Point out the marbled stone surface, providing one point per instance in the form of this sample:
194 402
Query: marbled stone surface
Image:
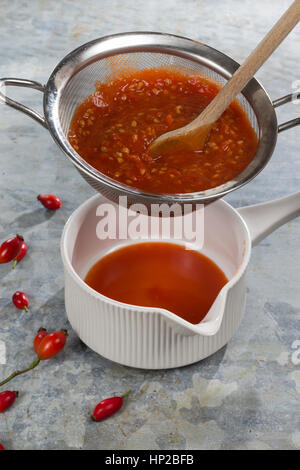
246 396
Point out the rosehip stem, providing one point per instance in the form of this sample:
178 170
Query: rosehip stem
19 372
126 394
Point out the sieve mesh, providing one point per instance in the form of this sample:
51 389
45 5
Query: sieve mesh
74 78
82 84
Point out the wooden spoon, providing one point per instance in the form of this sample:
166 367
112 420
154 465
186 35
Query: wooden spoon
194 135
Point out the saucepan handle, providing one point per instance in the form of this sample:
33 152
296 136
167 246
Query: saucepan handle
14 104
263 218
293 97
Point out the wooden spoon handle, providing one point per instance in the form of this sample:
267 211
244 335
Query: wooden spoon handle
255 60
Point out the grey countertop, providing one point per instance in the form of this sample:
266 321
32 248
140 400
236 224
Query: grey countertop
246 396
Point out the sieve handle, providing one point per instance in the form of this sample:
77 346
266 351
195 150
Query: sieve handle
21 107
287 99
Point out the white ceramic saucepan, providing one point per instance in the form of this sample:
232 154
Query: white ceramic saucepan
154 338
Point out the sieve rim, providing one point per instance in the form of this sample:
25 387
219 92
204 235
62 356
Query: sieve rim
144 41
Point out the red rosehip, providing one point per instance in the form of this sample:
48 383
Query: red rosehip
1 447
20 300
108 407
38 338
7 399
10 249
50 201
52 344
21 254
46 346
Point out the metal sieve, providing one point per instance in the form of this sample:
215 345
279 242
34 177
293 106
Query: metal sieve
74 79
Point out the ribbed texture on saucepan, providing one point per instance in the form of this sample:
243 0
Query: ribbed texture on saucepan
144 339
